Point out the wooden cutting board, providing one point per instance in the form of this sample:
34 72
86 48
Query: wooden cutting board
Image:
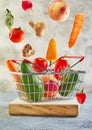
64 108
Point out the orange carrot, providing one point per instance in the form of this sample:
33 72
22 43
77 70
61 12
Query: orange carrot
12 68
78 24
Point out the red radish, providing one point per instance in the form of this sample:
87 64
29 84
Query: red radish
26 5
51 88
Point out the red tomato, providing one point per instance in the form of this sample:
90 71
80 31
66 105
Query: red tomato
16 35
81 96
40 64
59 65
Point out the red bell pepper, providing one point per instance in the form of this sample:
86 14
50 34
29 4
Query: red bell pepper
60 64
81 96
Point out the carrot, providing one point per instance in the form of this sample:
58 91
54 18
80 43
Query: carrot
78 24
12 68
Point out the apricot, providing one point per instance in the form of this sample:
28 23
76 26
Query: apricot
45 78
59 11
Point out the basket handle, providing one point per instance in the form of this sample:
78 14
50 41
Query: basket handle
75 57
27 61
81 58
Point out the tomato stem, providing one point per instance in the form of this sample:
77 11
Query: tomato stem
82 91
19 28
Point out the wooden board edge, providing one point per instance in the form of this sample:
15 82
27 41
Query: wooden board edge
44 110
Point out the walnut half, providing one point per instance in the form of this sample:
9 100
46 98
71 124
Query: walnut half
27 51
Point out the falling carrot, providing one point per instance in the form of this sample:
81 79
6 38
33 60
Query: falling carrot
12 68
78 24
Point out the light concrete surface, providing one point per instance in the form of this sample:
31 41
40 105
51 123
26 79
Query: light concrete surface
82 122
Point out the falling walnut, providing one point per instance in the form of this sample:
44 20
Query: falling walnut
39 28
27 51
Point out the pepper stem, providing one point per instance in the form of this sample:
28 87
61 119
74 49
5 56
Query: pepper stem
50 63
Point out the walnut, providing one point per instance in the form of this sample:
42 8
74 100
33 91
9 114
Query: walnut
27 51
39 28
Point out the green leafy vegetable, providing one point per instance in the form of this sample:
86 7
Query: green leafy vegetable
9 20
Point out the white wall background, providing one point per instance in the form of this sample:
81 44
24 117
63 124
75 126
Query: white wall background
59 31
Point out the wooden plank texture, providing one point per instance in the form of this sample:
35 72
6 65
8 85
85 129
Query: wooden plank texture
69 108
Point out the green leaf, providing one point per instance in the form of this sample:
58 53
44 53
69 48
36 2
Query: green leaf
9 20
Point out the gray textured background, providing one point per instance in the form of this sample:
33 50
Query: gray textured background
60 31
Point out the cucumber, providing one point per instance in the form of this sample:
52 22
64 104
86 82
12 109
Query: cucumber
69 83
32 84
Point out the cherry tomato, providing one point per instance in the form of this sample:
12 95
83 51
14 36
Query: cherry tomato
40 64
16 35
81 96
59 65
26 5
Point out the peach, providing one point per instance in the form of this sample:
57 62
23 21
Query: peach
59 10
45 78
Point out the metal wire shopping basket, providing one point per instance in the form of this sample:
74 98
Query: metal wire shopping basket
45 87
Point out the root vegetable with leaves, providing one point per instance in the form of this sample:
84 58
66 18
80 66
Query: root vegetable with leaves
16 35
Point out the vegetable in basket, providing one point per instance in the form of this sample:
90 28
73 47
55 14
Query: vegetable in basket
32 84
60 64
51 88
39 64
12 68
68 83
51 85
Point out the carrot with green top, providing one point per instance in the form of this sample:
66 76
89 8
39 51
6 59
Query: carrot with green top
12 68
78 24
51 54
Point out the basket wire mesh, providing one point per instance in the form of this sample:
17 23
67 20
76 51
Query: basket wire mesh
47 87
